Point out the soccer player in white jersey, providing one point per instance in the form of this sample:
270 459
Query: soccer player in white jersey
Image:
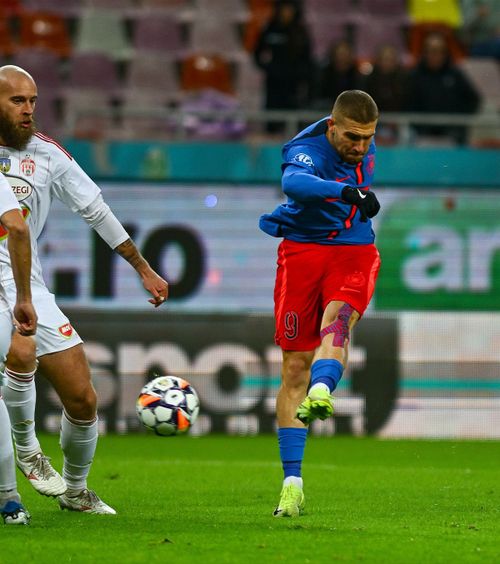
39 170
14 227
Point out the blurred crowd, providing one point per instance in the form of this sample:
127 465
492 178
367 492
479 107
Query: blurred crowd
124 67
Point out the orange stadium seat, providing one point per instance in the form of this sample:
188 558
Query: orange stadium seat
44 30
206 71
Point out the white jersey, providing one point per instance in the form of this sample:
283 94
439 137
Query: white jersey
37 174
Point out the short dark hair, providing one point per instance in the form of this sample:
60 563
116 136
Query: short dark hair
356 105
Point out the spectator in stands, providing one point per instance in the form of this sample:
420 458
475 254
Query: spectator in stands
436 85
481 30
339 73
388 81
388 85
283 52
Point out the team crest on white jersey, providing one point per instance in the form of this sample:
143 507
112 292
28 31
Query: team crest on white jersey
304 159
28 166
5 164
21 187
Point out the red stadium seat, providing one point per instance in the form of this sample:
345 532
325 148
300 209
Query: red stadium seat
46 31
206 71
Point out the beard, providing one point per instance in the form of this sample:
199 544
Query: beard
13 135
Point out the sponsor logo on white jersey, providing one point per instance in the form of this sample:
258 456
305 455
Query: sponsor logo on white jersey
21 187
66 330
304 159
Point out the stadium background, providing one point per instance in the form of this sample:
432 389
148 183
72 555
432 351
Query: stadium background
425 360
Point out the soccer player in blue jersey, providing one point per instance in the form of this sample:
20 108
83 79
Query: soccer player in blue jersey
327 268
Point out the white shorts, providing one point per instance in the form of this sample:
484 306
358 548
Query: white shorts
54 331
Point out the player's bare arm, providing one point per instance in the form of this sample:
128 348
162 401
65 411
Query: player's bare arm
152 282
19 246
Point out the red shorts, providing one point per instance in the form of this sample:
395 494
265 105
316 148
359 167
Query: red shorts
309 277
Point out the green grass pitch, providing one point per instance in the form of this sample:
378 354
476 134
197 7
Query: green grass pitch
210 499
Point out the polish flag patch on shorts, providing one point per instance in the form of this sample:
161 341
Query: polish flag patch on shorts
66 330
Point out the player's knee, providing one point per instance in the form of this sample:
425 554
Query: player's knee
81 405
340 328
22 355
296 372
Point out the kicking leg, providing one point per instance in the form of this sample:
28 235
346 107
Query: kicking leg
20 397
69 373
292 433
329 361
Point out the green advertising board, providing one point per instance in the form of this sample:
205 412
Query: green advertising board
440 250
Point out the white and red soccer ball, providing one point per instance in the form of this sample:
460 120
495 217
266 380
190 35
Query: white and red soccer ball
168 405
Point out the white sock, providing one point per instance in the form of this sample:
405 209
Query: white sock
20 398
295 480
78 442
318 386
7 465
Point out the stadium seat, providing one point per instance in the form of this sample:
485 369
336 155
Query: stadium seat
371 33
330 9
395 9
88 115
150 73
233 10
110 4
446 12
163 5
7 46
143 116
66 8
10 8
158 33
93 72
44 67
202 71
216 36
249 85
103 31
484 73
45 30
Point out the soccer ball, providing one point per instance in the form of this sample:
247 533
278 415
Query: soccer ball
168 405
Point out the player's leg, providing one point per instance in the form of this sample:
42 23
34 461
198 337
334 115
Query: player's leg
297 307
329 361
292 433
11 508
347 292
20 398
68 372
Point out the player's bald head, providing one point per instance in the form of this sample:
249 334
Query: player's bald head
11 74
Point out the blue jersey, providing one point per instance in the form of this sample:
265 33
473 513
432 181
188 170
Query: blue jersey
313 178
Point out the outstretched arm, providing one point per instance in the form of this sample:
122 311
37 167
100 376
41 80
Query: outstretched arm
19 245
99 216
152 282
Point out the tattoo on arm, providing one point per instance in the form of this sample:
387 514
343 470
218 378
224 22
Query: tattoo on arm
131 253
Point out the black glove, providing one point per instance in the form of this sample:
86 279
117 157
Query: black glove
364 200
